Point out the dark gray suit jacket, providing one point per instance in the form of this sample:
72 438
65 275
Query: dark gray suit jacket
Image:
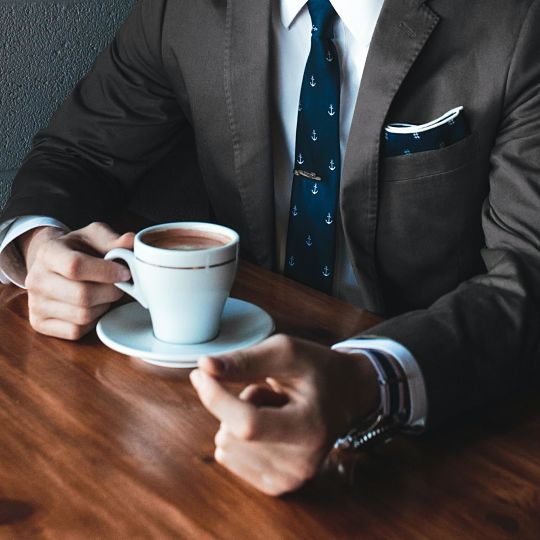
445 243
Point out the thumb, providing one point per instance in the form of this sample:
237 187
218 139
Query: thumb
124 241
275 357
102 238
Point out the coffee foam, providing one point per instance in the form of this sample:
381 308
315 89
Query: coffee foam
185 239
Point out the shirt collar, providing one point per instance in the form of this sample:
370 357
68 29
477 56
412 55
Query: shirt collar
289 10
359 17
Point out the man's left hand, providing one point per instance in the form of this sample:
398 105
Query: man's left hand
300 397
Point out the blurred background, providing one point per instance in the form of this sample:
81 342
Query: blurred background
46 46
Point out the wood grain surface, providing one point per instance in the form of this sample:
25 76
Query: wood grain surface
94 444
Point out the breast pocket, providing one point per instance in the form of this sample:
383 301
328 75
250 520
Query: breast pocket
429 231
432 162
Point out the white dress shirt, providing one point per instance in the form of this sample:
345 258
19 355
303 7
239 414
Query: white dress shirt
291 25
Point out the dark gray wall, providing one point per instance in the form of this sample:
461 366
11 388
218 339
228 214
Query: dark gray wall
45 47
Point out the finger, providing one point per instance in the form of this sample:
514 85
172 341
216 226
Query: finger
61 258
255 468
242 468
277 356
124 241
295 463
261 395
50 286
61 329
103 238
220 403
52 309
242 418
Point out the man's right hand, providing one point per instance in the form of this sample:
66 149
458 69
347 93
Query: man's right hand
69 284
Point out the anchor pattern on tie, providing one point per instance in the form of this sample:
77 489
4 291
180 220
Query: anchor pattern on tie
311 236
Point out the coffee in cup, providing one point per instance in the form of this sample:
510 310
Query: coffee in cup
182 273
184 239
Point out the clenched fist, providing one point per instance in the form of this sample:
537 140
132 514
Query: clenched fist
299 397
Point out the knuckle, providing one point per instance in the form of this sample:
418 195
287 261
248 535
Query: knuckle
72 332
276 487
45 257
250 428
219 456
35 321
220 440
238 365
96 230
35 280
272 491
73 266
33 306
83 296
31 280
83 316
286 343
95 226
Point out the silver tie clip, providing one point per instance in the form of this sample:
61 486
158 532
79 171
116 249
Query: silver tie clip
306 174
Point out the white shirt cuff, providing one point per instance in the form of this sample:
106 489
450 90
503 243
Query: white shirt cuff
12 266
415 379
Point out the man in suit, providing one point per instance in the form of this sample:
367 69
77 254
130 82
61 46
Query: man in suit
444 243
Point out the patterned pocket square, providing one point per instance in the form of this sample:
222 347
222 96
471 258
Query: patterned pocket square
403 139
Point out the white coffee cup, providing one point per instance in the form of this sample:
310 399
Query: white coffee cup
182 273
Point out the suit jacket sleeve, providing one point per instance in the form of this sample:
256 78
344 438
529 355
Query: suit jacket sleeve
119 120
482 340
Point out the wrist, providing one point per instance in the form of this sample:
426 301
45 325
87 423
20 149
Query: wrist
365 396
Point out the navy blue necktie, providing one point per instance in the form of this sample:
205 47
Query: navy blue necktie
311 236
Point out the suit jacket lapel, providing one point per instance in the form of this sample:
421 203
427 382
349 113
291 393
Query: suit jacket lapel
403 28
247 89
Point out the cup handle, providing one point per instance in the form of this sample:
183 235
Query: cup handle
133 289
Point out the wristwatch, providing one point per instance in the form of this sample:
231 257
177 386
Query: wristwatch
393 411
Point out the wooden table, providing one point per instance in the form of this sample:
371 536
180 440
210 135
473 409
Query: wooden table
94 444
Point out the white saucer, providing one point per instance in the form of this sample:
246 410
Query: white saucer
128 330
